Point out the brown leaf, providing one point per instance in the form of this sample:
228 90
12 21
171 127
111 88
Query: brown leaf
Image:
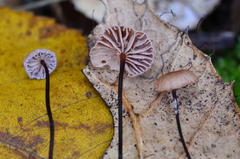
208 112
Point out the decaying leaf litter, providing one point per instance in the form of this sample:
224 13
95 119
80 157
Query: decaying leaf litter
208 112
83 124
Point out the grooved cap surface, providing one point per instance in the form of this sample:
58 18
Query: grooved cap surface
32 63
120 39
175 80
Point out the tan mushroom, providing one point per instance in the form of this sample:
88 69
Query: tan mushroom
116 40
175 80
123 49
171 82
39 64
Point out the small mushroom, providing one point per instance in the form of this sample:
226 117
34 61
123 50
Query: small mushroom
32 63
123 43
39 64
125 50
171 82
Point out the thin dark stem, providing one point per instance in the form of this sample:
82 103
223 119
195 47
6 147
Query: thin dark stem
198 24
213 47
178 124
49 111
120 82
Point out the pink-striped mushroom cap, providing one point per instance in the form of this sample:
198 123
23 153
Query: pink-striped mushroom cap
120 39
175 80
32 63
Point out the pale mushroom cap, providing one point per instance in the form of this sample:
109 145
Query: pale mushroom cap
175 80
32 63
120 39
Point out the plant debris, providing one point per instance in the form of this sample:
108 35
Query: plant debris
208 111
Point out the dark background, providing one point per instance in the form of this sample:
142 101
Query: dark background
217 33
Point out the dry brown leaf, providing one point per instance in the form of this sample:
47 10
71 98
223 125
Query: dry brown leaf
208 112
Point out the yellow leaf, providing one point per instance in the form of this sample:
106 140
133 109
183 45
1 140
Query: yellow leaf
83 124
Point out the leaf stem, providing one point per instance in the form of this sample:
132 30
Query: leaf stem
120 82
178 123
49 111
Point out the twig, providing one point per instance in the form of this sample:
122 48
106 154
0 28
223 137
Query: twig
37 4
173 14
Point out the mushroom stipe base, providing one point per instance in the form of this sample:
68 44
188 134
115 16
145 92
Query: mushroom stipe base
49 111
178 123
